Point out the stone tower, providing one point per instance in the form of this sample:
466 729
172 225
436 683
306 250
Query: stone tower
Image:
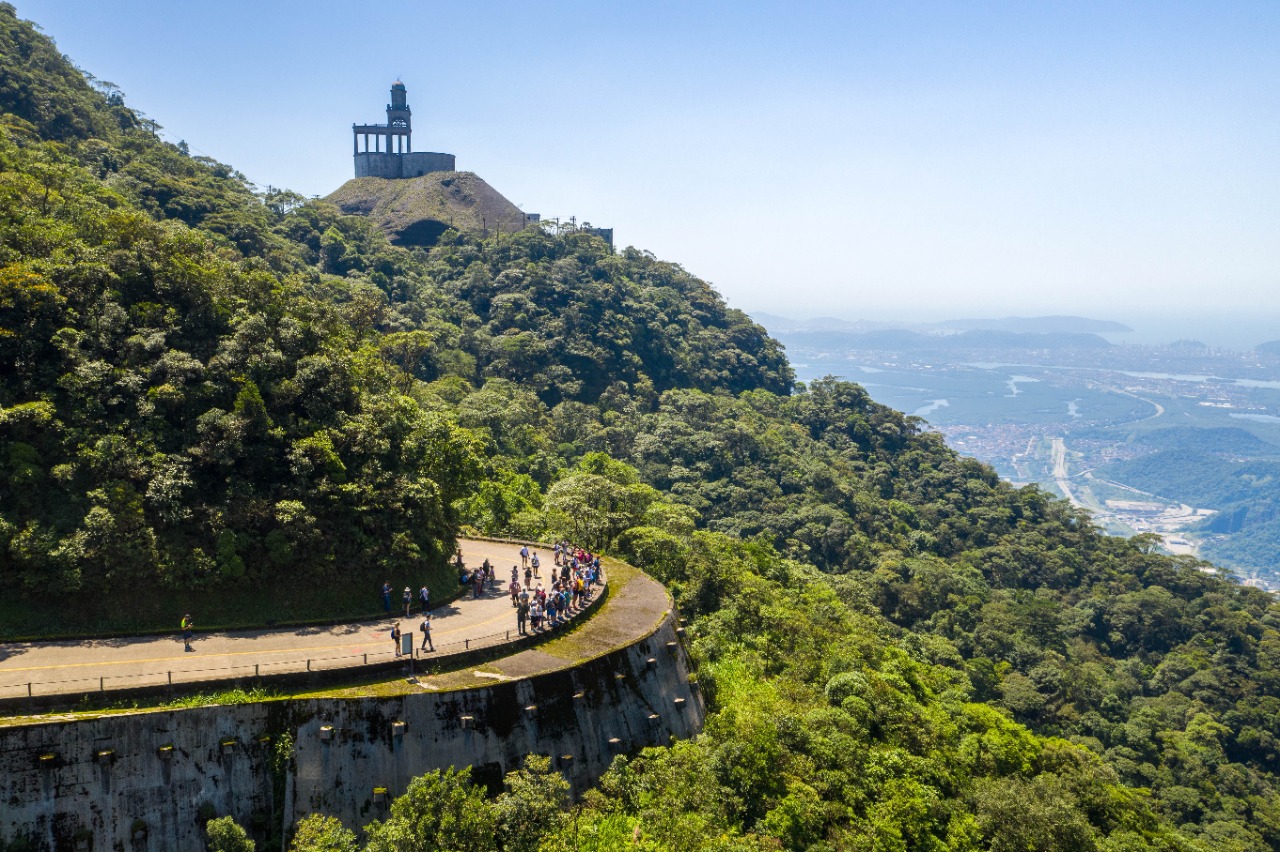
388 148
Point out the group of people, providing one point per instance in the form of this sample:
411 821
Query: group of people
573 582
424 628
407 597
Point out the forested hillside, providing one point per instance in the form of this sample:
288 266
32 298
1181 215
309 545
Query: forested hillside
207 386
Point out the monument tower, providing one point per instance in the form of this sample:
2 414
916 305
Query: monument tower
388 148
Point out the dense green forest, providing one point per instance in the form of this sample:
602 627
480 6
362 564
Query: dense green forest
206 386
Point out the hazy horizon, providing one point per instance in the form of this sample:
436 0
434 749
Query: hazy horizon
1236 331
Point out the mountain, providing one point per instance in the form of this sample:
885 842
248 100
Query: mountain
1271 347
416 211
905 340
254 403
1051 325
1037 325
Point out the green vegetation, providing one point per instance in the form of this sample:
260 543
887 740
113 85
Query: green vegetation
226 836
207 388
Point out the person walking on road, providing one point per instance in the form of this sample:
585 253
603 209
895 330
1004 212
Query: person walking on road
425 597
395 636
425 627
407 597
533 560
188 629
524 555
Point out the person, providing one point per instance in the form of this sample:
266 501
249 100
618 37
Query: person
533 560
425 627
395 637
514 591
524 555
477 583
528 576
386 596
425 597
515 575
408 600
522 616
188 629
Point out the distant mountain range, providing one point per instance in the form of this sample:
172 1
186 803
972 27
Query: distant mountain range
1014 325
905 340
1271 347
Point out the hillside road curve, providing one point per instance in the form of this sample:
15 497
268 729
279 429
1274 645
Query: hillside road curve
64 667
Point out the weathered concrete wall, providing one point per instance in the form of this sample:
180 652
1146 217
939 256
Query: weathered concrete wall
139 797
383 165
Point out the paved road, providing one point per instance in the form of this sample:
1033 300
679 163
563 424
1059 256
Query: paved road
1060 471
80 666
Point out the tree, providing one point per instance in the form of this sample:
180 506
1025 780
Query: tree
532 807
226 835
440 812
320 833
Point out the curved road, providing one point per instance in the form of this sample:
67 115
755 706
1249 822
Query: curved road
87 665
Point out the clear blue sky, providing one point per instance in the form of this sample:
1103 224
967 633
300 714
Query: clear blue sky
851 159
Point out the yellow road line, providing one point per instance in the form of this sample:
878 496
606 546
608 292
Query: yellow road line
260 652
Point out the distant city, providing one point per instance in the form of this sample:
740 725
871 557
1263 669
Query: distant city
1181 439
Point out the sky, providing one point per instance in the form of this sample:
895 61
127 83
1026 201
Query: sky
886 160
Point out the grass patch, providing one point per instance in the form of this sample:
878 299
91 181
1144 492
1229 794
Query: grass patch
254 695
93 707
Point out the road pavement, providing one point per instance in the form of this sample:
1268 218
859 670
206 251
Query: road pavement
46 668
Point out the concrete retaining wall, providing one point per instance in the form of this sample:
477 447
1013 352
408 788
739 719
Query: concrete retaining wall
146 781
384 165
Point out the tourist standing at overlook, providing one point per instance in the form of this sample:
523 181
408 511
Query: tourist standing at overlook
425 627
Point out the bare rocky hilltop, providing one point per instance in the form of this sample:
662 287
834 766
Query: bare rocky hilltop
416 211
